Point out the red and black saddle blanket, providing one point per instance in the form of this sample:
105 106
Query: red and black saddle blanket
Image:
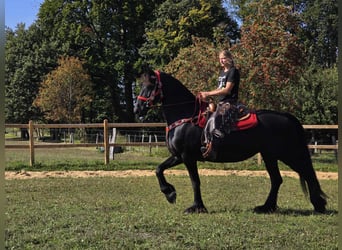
249 121
243 117
236 117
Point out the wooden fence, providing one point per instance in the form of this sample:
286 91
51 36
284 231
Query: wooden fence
106 144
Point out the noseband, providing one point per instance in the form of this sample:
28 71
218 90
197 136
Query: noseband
157 91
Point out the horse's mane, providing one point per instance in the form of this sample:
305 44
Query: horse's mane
176 88
178 101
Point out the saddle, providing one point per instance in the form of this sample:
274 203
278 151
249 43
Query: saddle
237 112
230 117
225 119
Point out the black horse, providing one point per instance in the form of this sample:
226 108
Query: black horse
277 136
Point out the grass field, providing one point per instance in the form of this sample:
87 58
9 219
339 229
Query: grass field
131 213
131 158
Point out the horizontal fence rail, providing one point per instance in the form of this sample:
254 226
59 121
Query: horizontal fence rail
334 147
105 126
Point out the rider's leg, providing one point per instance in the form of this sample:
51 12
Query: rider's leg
208 150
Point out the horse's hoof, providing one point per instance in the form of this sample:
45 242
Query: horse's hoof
171 197
320 210
265 209
196 209
319 205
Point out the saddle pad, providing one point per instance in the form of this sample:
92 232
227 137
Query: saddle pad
250 122
202 120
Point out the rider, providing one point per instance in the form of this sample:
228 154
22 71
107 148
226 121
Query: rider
227 92
228 81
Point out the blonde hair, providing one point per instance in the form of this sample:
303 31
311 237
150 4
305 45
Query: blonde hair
227 54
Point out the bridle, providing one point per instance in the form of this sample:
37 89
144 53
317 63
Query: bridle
157 91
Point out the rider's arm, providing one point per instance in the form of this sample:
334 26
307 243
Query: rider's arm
221 91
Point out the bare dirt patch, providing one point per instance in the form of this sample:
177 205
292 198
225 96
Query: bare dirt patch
136 173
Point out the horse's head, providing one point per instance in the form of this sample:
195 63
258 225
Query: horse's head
150 94
177 102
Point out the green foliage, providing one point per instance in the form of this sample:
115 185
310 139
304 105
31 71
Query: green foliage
131 213
319 23
65 92
106 34
176 22
26 62
200 73
178 36
320 35
269 56
317 94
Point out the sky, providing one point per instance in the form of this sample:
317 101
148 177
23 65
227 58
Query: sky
21 11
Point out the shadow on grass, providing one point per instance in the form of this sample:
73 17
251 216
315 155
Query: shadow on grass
289 211
298 212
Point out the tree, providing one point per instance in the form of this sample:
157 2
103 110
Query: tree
270 56
107 35
319 32
66 92
318 22
317 95
176 22
200 74
27 60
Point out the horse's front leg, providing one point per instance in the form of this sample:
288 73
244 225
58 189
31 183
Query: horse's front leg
165 187
198 206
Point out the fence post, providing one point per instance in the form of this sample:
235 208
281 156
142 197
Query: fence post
259 159
156 140
150 141
106 141
111 148
31 142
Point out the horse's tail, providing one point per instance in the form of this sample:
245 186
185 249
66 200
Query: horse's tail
319 198
304 186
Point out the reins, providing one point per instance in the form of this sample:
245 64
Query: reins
195 117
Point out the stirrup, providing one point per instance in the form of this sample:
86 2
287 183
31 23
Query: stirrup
207 150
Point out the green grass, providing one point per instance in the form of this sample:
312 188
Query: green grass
131 213
132 158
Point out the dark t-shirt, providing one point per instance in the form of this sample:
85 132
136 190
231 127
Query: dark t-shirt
232 75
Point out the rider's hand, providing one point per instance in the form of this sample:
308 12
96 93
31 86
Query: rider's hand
203 95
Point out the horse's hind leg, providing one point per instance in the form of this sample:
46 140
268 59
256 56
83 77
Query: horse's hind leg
276 180
307 174
168 190
317 197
